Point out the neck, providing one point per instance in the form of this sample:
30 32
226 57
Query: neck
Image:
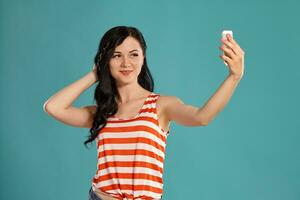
130 92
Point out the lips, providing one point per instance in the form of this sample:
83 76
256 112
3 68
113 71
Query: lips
126 72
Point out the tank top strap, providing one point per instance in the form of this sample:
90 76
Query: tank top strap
150 103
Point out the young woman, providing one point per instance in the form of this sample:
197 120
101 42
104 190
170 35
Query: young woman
130 122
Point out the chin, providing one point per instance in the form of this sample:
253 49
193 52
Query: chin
128 81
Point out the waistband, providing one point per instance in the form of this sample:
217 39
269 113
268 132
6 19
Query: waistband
105 196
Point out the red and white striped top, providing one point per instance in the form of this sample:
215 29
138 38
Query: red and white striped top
131 155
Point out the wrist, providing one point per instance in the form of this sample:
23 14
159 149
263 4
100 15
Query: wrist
93 76
235 77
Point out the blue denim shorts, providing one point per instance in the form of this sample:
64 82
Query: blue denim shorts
93 196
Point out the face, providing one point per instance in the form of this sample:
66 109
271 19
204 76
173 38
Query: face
127 61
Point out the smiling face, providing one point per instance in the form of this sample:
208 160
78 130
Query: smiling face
126 62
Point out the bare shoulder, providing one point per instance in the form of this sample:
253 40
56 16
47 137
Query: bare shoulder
163 103
166 101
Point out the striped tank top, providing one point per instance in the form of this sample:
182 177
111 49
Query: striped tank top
131 155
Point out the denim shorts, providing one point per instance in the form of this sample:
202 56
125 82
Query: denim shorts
93 196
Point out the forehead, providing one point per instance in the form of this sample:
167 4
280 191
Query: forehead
129 44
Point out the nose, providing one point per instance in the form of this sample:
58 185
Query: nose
126 62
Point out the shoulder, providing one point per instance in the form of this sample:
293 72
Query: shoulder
167 102
167 99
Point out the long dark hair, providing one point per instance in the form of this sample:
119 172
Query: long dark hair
106 91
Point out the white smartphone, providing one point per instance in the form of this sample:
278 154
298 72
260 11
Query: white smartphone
224 33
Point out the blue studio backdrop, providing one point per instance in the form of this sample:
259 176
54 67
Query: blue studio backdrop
249 151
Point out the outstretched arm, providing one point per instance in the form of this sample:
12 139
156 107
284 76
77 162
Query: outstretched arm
191 116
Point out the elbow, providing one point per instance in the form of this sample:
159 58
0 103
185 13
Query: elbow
202 118
51 108
203 122
46 107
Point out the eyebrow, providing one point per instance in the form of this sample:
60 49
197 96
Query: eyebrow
129 51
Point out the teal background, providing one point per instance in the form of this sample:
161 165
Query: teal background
249 151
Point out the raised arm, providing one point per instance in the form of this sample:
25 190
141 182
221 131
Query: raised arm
189 115
59 106
192 116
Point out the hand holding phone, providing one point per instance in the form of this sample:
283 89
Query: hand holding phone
224 33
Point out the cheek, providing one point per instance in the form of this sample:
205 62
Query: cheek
113 63
113 70
140 63
138 70
139 67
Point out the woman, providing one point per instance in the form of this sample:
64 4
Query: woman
130 122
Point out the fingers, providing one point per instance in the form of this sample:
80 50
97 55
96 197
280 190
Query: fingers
230 42
227 51
234 43
225 58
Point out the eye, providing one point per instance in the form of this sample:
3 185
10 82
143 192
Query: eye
115 55
135 54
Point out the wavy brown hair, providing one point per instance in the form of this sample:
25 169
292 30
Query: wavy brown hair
106 91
